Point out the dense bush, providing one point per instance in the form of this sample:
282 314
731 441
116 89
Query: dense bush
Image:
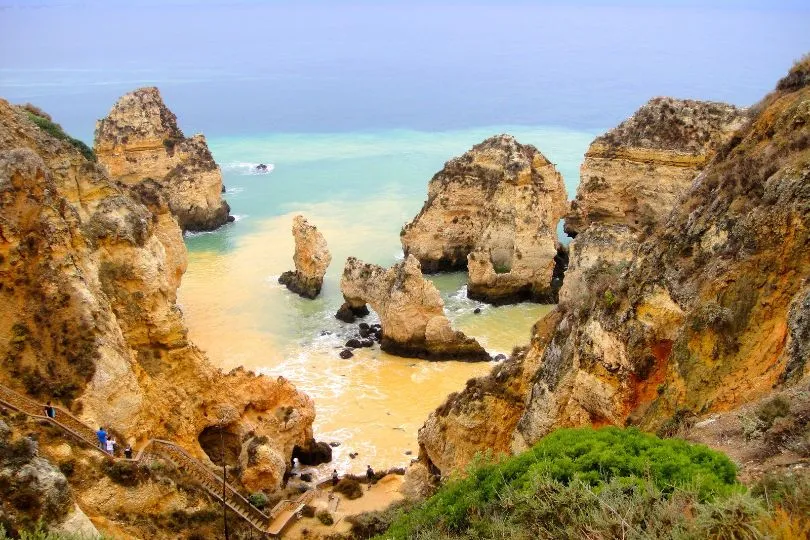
258 499
55 130
349 487
576 466
125 473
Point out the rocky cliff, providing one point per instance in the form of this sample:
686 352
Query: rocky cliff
706 313
634 174
311 260
493 210
410 308
140 140
88 276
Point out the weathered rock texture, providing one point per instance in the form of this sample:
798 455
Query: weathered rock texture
494 210
33 491
705 314
633 174
311 260
410 308
140 139
88 278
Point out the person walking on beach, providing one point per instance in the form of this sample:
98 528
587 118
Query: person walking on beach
369 475
102 438
50 412
335 477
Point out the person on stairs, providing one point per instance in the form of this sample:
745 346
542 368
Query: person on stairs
110 446
102 438
128 452
50 412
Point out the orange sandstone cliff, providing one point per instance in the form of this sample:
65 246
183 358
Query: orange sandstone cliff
705 312
89 270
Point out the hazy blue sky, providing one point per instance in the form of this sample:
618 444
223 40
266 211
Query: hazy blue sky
250 66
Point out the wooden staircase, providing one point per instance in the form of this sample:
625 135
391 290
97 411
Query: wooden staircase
271 524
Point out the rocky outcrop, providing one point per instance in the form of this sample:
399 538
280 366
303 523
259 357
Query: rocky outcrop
410 308
89 271
34 491
140 140
311 260
493 210
482 417
633 174
704 314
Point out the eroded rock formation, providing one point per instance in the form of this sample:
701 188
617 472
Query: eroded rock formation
140 140
633 174
311 260
410 308
706 313
493 210
88 276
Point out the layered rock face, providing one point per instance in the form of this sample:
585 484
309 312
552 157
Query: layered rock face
140 139
88 278
494 210
633 174
707 313
311 260
410 308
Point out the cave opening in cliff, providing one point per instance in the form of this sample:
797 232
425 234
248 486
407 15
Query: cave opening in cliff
212 440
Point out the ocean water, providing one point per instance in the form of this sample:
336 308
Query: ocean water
355 105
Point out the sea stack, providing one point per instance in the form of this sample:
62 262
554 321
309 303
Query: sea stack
140 140
311 260
494 210
411 311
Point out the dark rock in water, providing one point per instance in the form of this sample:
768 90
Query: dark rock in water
326 333
261 167
348 314
306 477
408 452
364 326
367 343
354 343
365 332
376 326
230 219
499 357
314 454
334 444
223 188
477 310
301 285
353 455
346 353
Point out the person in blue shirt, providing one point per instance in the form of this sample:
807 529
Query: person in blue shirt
102 438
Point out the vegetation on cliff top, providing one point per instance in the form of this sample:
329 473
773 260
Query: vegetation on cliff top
53 129
606 483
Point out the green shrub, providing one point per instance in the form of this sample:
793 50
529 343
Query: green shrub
349 487
773 409
593 458
609 298
125 473
258 499
55 130
325 517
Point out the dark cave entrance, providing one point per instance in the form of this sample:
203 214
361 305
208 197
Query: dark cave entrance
212 440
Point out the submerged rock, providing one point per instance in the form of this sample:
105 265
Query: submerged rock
493 210
311 260
140 140
410 309
349 313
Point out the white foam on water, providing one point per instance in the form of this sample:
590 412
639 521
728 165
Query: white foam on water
234 190
244 167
